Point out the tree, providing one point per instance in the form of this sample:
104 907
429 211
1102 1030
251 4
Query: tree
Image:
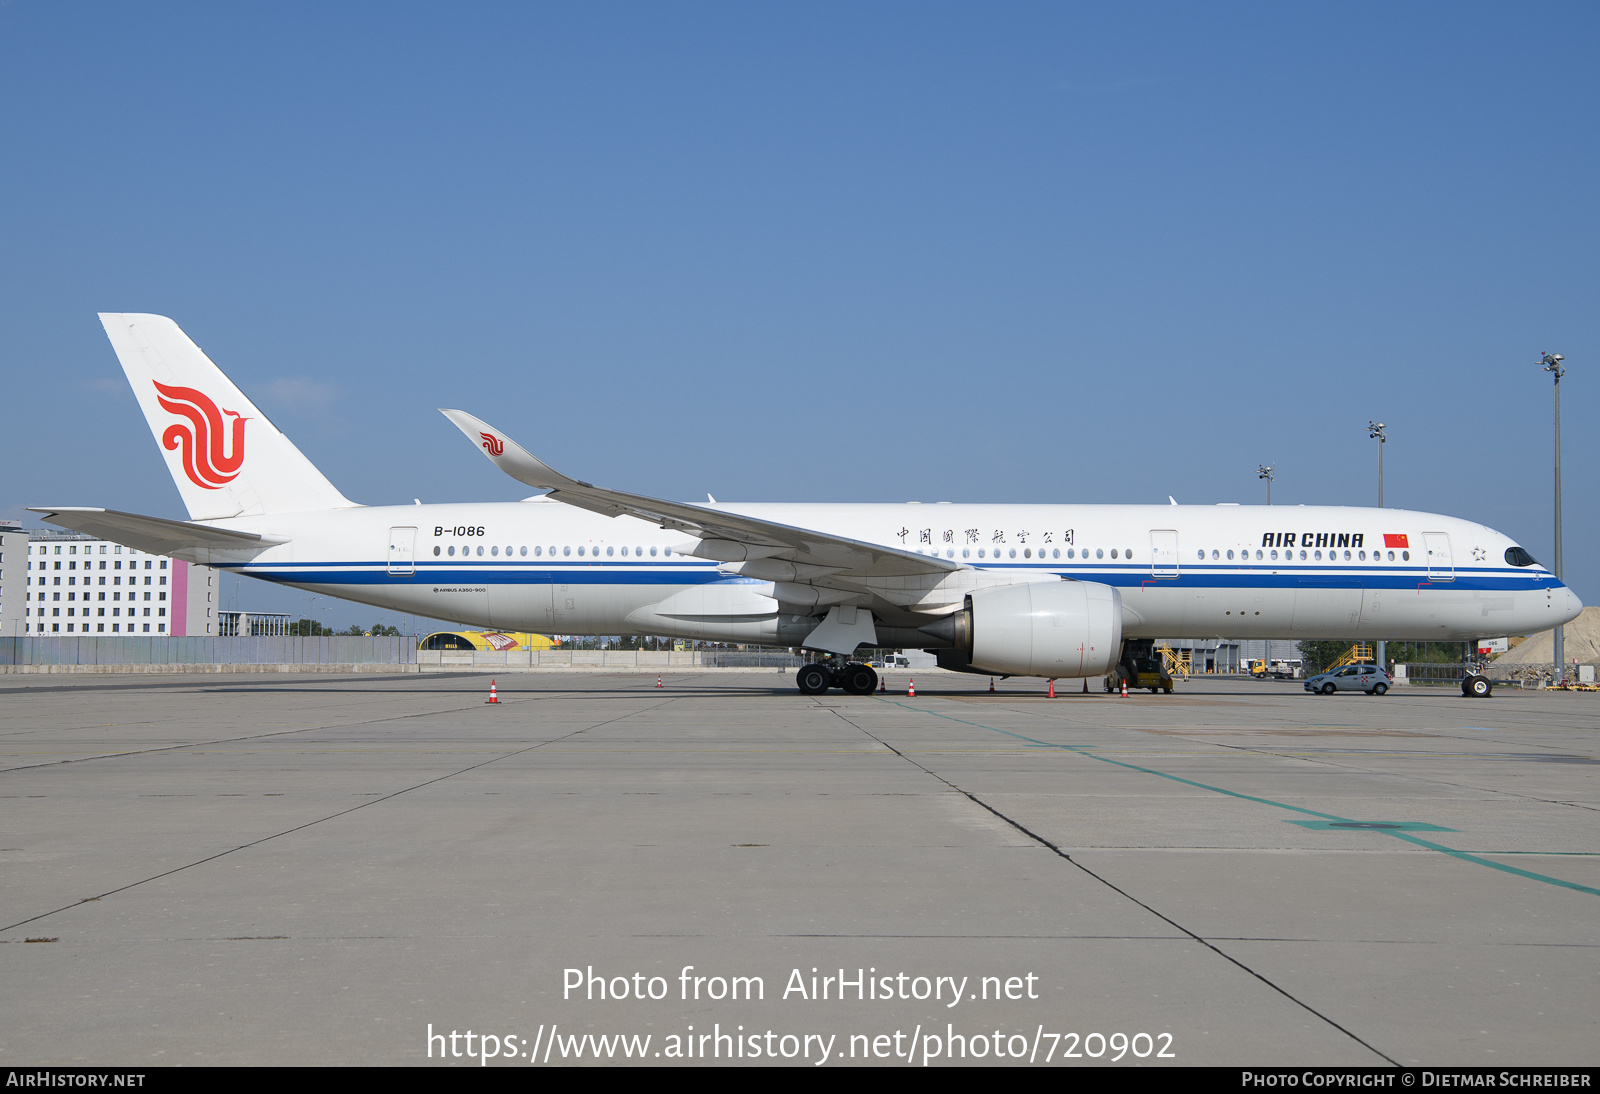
308 628
1319 655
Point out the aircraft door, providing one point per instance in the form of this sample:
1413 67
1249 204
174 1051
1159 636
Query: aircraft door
1163 553
402 552
1441 567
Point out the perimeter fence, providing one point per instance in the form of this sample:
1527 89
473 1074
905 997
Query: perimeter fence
1528 676
619 659
279 649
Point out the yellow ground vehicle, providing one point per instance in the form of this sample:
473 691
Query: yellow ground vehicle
496 641
1141 672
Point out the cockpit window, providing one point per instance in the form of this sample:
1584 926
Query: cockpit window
1516 556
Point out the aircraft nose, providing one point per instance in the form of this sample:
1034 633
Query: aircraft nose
1574 605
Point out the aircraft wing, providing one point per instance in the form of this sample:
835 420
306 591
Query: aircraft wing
158 535
725 537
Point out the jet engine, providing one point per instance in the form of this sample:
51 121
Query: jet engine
1057 629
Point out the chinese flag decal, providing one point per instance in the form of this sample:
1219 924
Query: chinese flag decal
1395 541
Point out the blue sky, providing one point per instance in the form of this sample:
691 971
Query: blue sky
1021 252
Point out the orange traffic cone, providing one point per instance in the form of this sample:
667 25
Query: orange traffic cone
658 679
1124 687
883 686
493 698
991 683
1052 694
911 692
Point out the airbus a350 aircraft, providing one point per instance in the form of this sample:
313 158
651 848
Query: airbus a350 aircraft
1030 590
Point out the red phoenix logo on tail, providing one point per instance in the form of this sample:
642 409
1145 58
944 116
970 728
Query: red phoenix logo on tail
492 444
200 442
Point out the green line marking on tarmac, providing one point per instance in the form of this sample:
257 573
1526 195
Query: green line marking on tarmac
1377 826
1396 833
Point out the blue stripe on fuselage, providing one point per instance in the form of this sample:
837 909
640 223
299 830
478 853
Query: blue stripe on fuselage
676 573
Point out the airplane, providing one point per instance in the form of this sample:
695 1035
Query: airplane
1057 591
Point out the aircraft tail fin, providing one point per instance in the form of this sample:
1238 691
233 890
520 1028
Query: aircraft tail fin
226 457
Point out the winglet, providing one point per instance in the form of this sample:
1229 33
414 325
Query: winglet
508 455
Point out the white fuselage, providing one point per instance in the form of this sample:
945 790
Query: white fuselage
1182 570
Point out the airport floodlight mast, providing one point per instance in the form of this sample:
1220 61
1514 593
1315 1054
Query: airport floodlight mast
1375 430
1264 471
1552 364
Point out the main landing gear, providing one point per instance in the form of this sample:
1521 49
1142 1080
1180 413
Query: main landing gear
851 677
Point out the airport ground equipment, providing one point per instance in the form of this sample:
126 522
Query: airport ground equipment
1177 662
1357 653
1139 667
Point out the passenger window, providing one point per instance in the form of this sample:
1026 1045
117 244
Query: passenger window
1113 552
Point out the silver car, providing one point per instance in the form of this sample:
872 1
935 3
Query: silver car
1368 678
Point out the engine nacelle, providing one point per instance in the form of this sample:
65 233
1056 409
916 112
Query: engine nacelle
1058 629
